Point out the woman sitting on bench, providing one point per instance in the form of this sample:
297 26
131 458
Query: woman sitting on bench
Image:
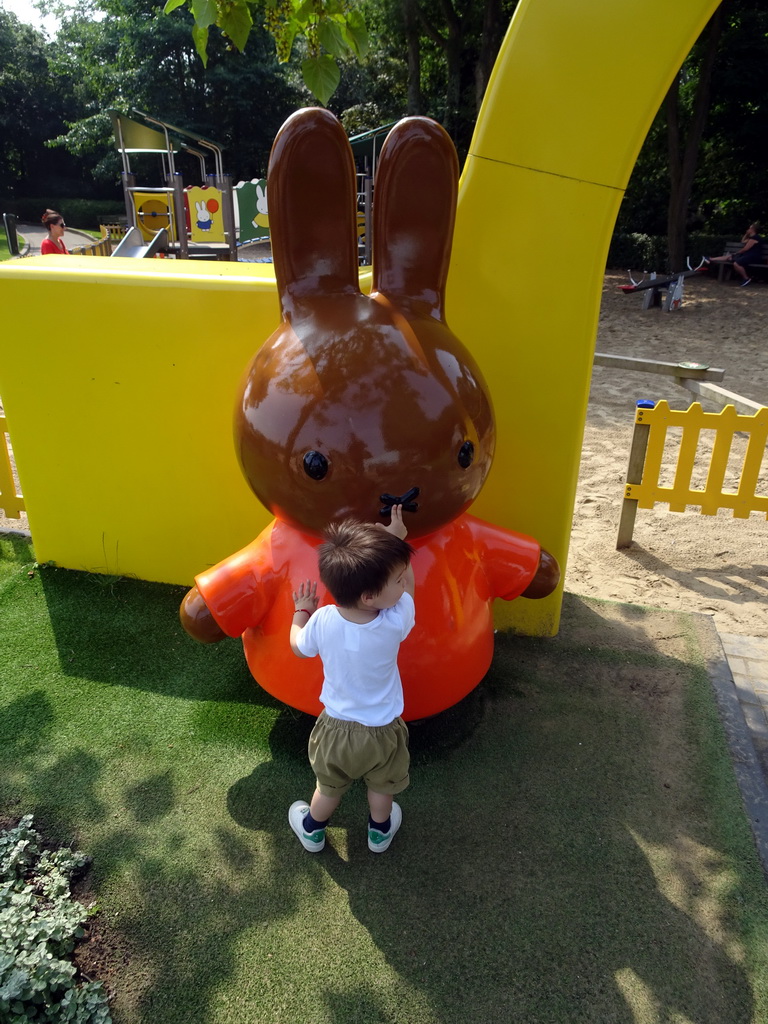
750 248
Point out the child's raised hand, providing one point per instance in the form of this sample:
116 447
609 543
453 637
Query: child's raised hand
305 598
396 525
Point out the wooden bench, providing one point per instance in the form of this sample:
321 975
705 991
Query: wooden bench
731 248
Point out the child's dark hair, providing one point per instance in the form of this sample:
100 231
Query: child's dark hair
359 558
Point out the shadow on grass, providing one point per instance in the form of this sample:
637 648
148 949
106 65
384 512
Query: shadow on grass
27 724
127 632
558 842
570 850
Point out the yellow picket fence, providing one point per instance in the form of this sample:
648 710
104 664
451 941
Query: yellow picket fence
10 500
101 247
652 441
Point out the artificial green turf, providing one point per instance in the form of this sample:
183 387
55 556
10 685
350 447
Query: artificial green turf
573 847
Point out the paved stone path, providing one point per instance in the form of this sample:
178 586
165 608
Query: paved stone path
35 233
748 661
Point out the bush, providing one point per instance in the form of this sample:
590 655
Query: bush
39 923
78 213
708 245
649 252
637 252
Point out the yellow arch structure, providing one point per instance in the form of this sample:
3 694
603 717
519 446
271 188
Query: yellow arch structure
572 96
119 405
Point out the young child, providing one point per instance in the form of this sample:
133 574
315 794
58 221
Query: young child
359 734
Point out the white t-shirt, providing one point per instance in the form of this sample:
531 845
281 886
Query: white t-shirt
361 680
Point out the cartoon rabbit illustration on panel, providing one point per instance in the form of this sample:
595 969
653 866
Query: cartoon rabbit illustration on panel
359 402
261 220
203 216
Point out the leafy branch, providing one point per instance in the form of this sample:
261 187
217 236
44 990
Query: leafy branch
332 29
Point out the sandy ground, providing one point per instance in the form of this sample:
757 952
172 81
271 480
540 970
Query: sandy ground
717 565
679 560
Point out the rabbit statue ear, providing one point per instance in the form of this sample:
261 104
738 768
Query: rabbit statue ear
413 214
312 208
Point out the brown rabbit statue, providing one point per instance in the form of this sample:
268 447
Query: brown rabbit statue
358 402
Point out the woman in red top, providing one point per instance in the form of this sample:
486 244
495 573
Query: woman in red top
55 240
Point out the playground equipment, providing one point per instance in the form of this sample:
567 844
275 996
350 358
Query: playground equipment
424 437
654 286
209 231
133 244
252 211
117 490
366 148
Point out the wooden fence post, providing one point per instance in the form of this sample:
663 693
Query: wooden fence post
634 476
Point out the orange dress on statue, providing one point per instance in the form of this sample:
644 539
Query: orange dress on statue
459 570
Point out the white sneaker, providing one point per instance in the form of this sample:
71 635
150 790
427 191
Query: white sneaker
312 841
378 842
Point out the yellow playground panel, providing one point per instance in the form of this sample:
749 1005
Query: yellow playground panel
206 220
154 210
125 449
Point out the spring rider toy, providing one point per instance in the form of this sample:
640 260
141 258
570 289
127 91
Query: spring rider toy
358 402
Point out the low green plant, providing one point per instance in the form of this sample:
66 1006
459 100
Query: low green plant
39 924
86 214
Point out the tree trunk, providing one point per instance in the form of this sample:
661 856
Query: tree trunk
411 22
494 25
683 156
451 44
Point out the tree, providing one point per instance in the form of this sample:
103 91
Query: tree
137 57
702 166
330 29
452 46
32 110
684 143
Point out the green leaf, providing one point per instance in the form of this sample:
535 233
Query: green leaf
237 25
330 38
284 37
171 5
305 11
321 76
205 13
356 34
200 39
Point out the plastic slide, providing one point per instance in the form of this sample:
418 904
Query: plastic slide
134 246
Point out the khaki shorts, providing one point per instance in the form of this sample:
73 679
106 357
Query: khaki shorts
341 752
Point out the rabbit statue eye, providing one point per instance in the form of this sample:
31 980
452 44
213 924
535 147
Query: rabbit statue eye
466 454
315 465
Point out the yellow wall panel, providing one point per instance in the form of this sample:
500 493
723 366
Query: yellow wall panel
121 417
